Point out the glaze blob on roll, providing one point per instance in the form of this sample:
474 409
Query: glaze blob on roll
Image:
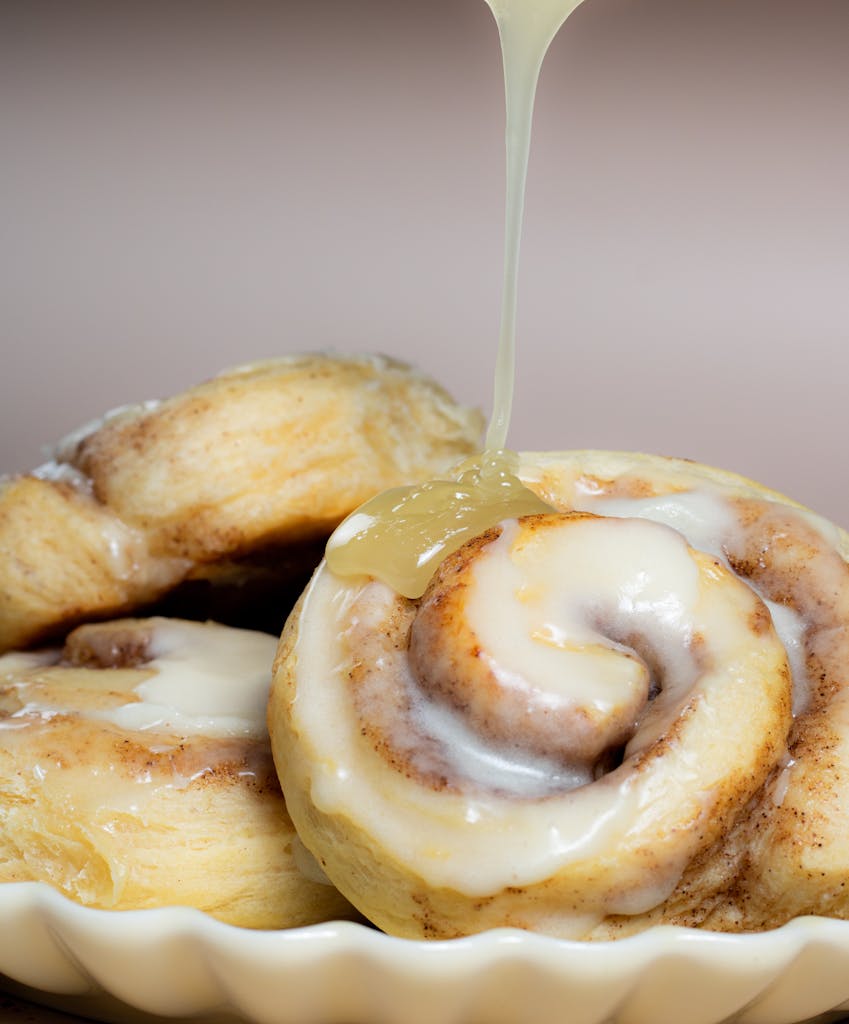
135 772
622 712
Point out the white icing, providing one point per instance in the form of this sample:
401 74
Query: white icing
62 472
708 523
791 629
704 519
538 611
206 679
485 765
509 838
202 679
782 782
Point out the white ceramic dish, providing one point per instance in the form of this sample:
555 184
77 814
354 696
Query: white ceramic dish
180 963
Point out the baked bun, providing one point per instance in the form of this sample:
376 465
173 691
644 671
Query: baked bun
135 772
626 711
227 489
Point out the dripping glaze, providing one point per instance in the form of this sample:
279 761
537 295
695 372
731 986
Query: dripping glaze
446 811
418 785
402 536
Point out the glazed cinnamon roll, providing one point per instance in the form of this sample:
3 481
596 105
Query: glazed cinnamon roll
596 717
135 772
220 497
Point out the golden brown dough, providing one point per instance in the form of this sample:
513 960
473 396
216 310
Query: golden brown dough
135 772
428 798
261 460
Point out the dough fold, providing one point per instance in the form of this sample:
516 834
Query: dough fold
229 488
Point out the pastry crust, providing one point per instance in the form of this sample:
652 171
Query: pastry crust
179 814
760 836
224 484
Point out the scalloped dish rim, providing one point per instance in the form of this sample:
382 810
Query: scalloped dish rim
179 962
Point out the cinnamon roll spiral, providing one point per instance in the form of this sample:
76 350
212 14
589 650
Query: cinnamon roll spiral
135 772
593 720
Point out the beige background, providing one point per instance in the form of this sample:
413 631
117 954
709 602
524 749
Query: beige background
190 185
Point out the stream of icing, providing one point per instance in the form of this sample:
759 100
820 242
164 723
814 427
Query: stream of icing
401 536
526 29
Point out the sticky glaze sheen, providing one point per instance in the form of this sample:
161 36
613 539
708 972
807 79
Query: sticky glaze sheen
414 779
195 679
526 31
369 740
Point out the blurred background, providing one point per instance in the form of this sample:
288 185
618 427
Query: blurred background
191 186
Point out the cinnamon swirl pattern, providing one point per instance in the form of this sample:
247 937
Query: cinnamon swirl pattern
622 712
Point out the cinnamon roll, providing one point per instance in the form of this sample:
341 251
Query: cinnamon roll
135 772
623 710
220 497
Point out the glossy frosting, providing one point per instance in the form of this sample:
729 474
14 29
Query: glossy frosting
191 678
576 708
